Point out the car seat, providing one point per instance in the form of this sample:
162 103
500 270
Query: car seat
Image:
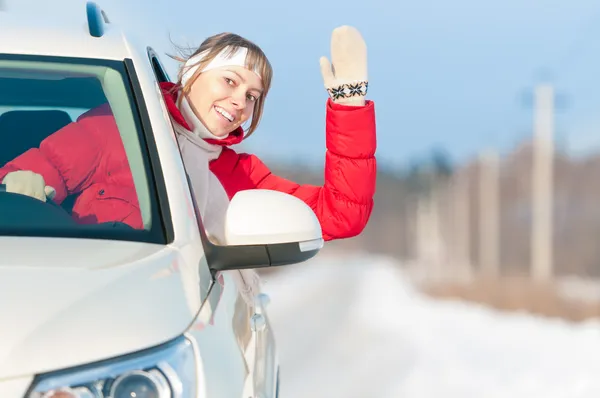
21 130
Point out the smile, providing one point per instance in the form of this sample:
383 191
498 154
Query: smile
224 113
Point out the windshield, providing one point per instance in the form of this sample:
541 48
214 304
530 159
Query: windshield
72 154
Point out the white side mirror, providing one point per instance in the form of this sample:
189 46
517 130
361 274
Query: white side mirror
262 217
267 228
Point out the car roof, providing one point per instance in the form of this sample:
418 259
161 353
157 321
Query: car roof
35 34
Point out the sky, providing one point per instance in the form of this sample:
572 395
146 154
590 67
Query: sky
452 75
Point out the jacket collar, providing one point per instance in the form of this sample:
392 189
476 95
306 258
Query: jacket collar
169 91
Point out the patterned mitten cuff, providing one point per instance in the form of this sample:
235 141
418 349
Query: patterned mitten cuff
348 90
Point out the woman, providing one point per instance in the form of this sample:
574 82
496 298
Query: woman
222 86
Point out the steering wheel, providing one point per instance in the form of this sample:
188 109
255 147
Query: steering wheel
27 212
24 211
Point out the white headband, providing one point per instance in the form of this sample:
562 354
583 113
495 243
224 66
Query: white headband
237 58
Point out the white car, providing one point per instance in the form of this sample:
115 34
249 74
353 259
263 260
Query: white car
97 310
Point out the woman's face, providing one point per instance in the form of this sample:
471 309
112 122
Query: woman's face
224 98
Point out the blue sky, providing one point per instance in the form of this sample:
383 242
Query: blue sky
452 74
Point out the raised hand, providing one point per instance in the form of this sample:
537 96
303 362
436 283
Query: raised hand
346 76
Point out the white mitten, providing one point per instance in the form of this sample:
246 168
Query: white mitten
347 80
28 183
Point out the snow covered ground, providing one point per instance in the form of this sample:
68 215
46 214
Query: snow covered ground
356 328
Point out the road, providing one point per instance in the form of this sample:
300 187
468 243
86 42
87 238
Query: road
356 328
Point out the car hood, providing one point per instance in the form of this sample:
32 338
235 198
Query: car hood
66 302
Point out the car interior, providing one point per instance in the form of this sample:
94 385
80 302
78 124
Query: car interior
33 109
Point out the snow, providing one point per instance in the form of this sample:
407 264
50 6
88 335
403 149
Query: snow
357 328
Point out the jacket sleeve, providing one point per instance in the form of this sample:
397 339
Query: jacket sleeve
344 203
66 159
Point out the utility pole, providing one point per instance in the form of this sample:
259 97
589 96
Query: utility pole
542 178
461 223
489 226
426 224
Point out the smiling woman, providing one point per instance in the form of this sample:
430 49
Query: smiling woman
228 99
224 84
226 73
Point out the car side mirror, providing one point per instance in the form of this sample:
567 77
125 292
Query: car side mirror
265 228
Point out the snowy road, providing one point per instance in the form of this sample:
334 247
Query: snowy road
353 329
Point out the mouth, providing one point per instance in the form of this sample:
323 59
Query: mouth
226 115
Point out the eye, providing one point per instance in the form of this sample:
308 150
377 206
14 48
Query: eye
251 97
229 81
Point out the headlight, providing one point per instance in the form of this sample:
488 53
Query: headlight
168 371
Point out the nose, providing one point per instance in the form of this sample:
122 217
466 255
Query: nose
238 99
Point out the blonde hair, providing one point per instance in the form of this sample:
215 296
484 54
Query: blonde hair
255 60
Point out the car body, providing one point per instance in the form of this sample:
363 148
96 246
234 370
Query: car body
98 310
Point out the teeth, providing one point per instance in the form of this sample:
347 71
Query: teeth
223 112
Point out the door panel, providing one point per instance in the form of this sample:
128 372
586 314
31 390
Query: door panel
220 334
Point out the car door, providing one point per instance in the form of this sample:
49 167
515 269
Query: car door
266 366
224 328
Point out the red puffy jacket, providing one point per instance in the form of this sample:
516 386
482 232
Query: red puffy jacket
88 157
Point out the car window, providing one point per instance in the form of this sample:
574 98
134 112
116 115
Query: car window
161 77
159 71
73 121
